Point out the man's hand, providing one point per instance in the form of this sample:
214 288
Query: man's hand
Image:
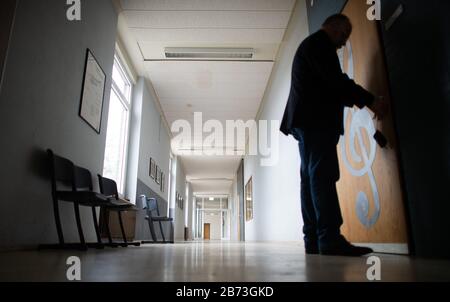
380 107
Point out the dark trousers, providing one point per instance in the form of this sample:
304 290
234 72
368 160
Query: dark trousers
319 173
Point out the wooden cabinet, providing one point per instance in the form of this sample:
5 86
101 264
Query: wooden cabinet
129 224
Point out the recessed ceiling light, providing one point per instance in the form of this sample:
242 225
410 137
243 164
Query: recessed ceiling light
208 53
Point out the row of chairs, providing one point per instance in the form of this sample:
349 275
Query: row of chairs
71 183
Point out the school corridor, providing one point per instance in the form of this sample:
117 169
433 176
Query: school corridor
141 140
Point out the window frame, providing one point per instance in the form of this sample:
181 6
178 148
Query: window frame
126 102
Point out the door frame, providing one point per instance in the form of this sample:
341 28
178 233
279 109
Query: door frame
241 201
7 17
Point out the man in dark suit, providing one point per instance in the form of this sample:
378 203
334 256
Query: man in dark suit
314 116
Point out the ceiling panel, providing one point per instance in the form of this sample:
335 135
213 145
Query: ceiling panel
199 104
209 80
207 19
211 187
164 68
200 5
190 90
205 79
208 35
209 114
211 167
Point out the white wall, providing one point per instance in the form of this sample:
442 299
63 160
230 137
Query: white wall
154 142
39 101
277 189
149 139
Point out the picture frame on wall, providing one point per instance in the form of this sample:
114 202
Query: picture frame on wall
152 168
92 92
158 175
162 182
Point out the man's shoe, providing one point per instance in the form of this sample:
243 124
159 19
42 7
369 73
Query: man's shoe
346 249
312 251
311 247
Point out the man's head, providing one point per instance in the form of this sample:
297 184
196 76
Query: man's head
339 28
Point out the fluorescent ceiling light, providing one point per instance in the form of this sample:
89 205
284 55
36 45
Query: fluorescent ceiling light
211 199
208 53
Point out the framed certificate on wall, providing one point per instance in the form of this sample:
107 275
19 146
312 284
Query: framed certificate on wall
152 168
158 175
94 81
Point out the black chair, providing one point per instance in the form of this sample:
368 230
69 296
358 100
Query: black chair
67 182
108 187
83 181
153 215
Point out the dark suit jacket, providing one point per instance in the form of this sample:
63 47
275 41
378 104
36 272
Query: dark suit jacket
320 90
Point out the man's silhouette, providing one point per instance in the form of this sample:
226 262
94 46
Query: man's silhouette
314 116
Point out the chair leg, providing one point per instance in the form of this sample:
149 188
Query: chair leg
162 232
152 231
58 221
119 213
108 230
79 227
97 229
62 245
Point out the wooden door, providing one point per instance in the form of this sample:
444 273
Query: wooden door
207 231
370 192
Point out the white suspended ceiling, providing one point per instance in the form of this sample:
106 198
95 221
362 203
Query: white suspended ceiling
258 24
222 90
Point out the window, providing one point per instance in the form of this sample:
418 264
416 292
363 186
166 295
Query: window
117 129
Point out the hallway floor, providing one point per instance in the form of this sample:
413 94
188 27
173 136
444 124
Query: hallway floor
213 261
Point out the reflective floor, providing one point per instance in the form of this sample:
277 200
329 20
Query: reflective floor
214 261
